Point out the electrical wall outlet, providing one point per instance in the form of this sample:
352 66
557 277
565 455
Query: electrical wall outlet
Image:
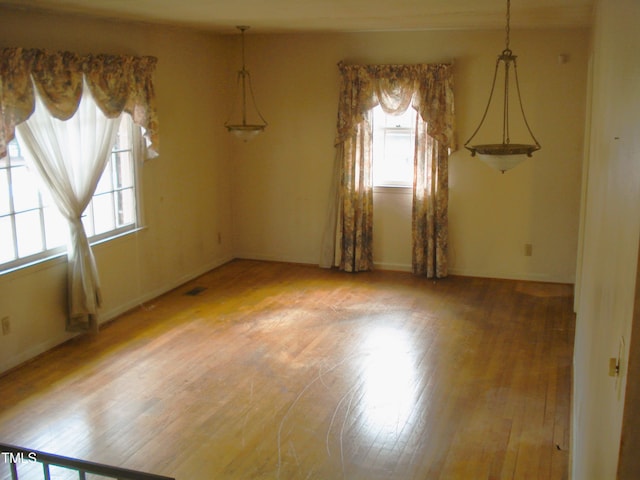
614 367
528 249
6 326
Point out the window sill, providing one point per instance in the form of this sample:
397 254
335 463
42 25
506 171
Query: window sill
397 189
60 257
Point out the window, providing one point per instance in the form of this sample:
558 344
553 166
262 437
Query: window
393 148
31 228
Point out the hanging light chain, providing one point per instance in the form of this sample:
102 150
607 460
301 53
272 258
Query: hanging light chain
507 58
242 29
506 148
505 103
243 83
508 28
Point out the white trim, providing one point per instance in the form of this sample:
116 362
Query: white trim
277 258
393 189
34 351
393 267
505 275
61 256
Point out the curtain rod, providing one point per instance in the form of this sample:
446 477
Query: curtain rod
449 62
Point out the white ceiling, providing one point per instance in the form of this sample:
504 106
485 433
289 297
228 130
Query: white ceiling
268 16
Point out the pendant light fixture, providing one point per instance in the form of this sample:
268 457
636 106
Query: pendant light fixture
238 122
505 155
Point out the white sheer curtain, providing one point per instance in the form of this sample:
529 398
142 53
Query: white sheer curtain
70 157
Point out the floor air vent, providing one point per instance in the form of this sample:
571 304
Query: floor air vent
195 291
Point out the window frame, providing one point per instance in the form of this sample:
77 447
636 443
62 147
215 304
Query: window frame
382 183
135 135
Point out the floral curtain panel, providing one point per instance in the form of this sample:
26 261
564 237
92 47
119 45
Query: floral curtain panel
434 139
355 224
73 93
429 232
118 83
428 88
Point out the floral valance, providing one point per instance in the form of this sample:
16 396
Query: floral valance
426 87
117 82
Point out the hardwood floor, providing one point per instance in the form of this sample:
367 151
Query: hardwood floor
279 371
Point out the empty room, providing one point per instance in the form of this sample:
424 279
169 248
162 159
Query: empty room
319 240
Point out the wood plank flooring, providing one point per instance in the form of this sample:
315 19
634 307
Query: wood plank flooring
280 371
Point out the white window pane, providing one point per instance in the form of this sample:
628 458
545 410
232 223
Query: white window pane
126 207
399 151
393 148
406 120
5 205
7 251
28 233
398 143
379 117
25 189
14 149
123 170
104 214
395 165
55 227
106 180
45 199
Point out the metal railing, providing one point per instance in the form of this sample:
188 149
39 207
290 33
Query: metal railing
14 456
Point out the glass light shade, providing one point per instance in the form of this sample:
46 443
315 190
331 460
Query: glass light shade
239 127
502 162
246 132
503 156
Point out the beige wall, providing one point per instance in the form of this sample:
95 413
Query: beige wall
186 192
268 198
281 180
611 229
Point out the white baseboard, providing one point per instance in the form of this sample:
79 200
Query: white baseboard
531 277
394 267
33 352
148 296
106 316
277 258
